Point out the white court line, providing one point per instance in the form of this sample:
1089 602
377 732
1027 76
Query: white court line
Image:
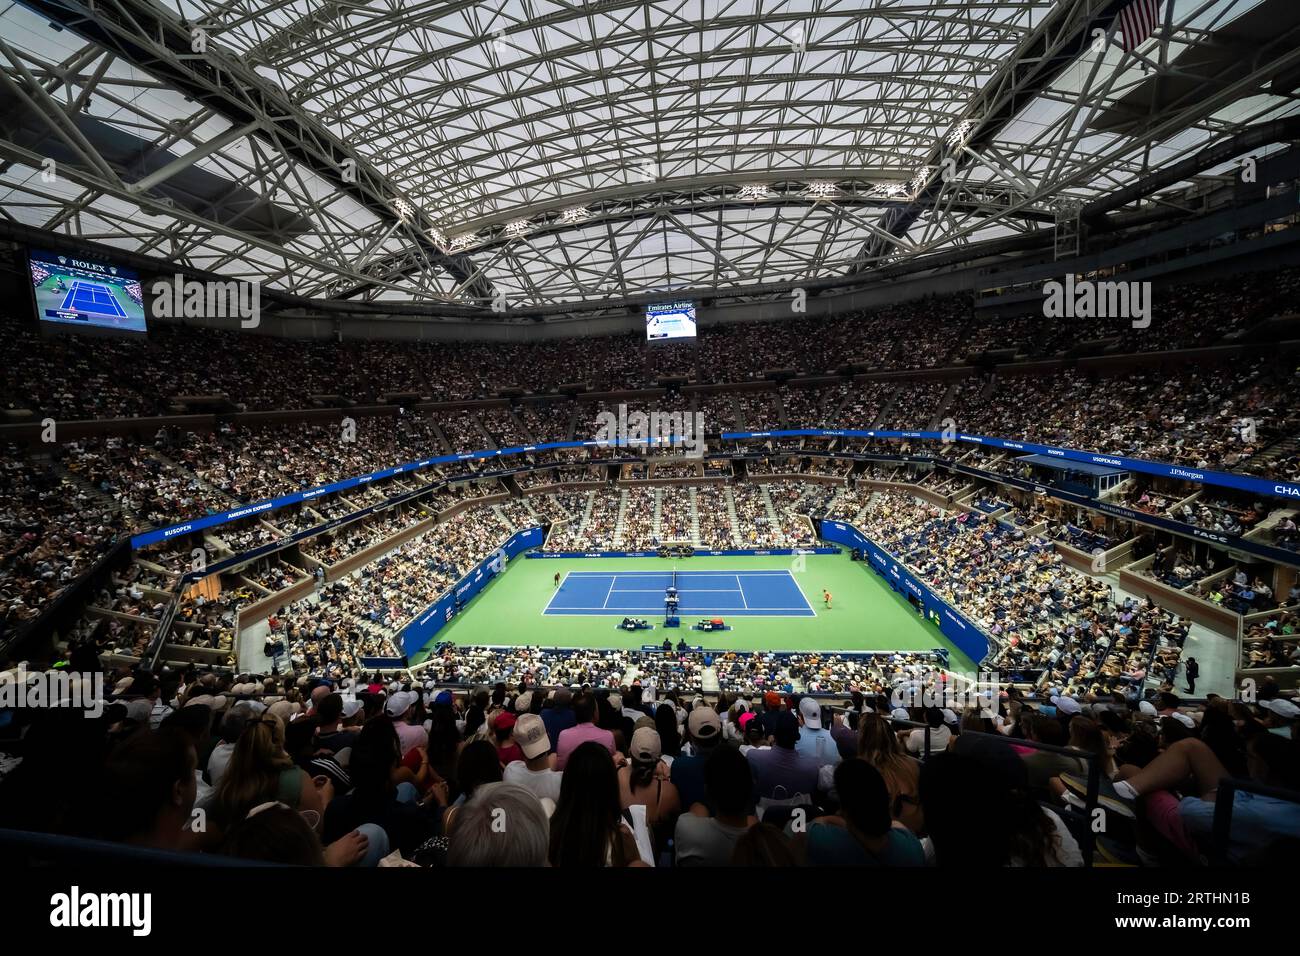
638 610
609 592
694 572
554 595
742 591
661 591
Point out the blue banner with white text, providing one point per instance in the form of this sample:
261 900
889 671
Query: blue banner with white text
964 634
1260 486
421 630
698 553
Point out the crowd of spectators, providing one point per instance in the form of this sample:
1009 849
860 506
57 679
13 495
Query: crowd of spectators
623 771
1044 616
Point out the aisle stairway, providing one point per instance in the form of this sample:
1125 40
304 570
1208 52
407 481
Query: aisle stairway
772 516
621 524
732 517
586 516
695 519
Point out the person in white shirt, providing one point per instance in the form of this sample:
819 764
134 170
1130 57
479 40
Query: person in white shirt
939 734
815 741
535 772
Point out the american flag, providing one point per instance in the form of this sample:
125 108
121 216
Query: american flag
1138 21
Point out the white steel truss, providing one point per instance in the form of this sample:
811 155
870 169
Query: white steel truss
553 153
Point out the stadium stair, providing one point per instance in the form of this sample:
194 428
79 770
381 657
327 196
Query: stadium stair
695 517
732 517
838 407
737 415
518 423
1286 448
944 404
657 523
771 509
476 424
621 523
441 436
573 421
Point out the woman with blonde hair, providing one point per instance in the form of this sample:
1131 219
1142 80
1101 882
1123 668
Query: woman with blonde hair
261 771
879 746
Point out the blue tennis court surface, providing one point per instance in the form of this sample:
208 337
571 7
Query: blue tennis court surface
738 593
88 297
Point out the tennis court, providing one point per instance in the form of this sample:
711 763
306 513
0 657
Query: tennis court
753 593
867 614
91 297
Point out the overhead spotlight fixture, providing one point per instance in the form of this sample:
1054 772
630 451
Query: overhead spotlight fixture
918 181
821 190
518 227
463 241
960 133
439 238
403 208
891 190
575 214
753 192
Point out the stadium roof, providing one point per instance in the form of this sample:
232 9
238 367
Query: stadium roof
558 153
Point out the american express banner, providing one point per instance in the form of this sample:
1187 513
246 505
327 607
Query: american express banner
1257 486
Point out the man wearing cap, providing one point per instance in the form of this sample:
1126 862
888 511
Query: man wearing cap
815 741
704 733
399 706
782 771
535 772
1280 716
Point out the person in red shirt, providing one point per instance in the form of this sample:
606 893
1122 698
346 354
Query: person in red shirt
503 726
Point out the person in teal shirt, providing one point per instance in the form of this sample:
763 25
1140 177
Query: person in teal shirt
864 833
